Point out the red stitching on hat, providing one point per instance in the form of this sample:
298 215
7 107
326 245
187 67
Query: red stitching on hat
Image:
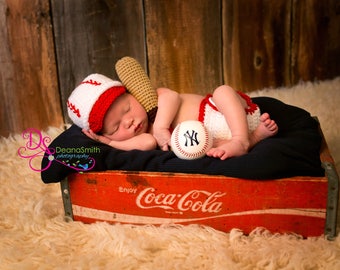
73 108
95 83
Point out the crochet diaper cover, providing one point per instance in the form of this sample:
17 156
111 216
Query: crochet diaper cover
215 122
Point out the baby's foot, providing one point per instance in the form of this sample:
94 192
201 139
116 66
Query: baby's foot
230 148
267 128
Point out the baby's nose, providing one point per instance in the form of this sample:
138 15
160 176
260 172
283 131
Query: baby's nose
128 122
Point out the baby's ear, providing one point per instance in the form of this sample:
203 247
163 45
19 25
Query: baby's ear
137 82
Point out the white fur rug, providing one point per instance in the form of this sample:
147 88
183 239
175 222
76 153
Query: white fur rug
33 234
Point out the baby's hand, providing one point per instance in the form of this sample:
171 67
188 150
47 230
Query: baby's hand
163 138
99 138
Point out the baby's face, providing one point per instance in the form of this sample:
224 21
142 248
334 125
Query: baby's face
125 119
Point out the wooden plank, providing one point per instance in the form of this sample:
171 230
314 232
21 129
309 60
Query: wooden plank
316 40
184 44
91 36
6 76
256 38
28 81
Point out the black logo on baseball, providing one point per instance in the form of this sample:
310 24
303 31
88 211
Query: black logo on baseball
191 138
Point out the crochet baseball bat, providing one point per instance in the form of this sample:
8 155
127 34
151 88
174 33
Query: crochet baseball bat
137 82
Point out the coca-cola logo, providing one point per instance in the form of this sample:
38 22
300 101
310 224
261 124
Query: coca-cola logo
193 200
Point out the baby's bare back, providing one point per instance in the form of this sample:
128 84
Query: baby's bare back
189 108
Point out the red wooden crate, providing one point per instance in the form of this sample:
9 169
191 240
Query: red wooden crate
303 205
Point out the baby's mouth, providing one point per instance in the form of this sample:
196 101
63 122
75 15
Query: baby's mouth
138 128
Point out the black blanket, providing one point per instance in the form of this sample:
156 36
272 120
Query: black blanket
294 151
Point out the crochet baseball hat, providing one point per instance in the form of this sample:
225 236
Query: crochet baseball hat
89 102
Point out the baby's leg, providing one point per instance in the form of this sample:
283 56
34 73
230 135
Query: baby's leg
267 128
229 148
232 106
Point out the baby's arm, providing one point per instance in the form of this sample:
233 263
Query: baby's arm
144 141
168 104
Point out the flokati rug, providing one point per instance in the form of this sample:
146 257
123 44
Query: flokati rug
34 235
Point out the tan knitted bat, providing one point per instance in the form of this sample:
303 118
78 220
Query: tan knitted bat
137 82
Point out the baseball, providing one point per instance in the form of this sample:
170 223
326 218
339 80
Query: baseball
190 140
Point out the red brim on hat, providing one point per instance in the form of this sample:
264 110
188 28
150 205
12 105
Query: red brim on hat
101 106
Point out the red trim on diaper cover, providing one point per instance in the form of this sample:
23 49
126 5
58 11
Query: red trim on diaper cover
252 107
205 101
